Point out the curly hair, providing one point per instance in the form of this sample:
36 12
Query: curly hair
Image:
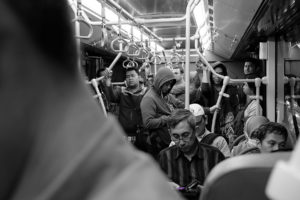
270 127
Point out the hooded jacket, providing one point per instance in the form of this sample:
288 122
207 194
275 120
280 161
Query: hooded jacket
156 108
251 125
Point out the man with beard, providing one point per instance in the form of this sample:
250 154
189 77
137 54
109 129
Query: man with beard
156 106
188 160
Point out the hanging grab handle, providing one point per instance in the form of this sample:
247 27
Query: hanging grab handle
81 19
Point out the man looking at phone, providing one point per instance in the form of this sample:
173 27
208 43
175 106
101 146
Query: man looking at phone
188 160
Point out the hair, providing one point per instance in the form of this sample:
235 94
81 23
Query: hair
128 69
180 68
270 127
180 115
254 61
39 17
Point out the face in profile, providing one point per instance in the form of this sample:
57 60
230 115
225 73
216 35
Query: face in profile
183 136
272 142
246 89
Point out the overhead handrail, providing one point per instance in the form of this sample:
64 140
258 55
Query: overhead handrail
175 58
144 53
124 83
103 30
132 46
80 18
129 63
121 43
156 59
109 68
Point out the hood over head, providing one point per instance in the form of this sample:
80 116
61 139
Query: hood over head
163 75
253 123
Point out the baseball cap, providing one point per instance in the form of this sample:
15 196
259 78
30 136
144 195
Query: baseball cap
197 111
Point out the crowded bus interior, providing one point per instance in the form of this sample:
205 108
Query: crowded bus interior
150 99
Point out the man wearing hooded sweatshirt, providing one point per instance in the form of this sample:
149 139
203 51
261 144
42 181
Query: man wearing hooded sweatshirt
156 106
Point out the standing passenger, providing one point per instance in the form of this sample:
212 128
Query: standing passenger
129 99
156 106
229 105
178 89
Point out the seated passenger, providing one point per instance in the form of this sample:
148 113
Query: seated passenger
205 136
246 143
188 160
249 90
270 137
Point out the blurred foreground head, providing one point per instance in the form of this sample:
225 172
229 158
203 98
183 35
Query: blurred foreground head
55 143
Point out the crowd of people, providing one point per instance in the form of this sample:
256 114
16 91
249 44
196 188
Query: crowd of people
180 140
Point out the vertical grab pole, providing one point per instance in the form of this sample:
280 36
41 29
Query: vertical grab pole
257 97
221 94
187 54
77 32
155 64
292 85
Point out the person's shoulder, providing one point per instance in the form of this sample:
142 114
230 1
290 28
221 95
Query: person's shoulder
208 148
169 149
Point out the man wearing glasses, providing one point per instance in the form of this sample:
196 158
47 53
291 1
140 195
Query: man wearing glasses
188 160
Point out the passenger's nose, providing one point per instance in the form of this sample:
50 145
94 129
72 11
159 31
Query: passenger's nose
181 143
275 147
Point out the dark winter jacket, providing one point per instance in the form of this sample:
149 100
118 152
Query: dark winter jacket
130 116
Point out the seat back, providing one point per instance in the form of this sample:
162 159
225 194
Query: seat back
242 177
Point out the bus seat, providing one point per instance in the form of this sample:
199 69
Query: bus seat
241 177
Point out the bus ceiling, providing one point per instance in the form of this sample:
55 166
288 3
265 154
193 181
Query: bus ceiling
228 28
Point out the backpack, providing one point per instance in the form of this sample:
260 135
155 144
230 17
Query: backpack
208 139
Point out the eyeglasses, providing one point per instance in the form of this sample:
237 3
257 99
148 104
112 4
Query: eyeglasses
184 137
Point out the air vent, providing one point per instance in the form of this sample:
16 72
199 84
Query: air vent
210 11
210 2
211 18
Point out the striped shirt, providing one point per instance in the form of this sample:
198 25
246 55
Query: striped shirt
182 171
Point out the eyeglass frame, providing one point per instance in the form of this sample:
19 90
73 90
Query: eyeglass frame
181 137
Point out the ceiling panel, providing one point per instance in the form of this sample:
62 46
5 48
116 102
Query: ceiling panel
231 19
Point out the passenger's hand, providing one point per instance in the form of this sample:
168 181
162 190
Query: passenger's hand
173 185
107 77
213 109
201 66
107 73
